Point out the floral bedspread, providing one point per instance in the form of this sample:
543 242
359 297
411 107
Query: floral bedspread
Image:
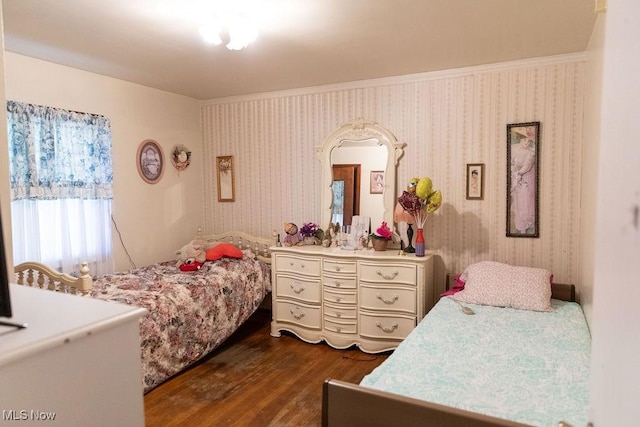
189 313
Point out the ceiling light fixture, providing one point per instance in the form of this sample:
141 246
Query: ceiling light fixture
240 26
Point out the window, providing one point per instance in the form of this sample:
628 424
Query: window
61 187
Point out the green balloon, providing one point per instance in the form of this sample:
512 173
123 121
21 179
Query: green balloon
434 202
423 189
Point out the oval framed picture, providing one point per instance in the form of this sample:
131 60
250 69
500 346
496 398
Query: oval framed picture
150 160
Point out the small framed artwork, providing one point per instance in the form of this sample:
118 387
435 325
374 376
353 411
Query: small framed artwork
226 183
376 182
150 161
523 177
475 181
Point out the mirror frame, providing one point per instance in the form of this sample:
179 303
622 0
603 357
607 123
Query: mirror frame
356 131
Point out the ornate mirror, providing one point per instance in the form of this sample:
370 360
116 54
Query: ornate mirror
359 162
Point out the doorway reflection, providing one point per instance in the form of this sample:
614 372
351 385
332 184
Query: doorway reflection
346 196
337 210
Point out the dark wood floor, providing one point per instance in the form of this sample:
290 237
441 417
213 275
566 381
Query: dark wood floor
256 380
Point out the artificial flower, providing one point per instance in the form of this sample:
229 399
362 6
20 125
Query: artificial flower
383 232
309 229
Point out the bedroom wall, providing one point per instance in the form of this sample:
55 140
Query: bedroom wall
592 128
615 372
447 119
5 205
153 220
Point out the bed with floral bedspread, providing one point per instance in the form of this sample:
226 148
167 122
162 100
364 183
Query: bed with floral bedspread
189 313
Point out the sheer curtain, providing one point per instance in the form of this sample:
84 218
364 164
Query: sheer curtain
61 187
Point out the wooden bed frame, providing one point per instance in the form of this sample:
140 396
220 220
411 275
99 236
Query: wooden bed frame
41 276
38 275
352 405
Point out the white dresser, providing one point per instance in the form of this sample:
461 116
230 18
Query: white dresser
76 364
367 298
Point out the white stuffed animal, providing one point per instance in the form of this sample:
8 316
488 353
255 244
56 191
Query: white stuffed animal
192 252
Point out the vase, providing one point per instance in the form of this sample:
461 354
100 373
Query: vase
309 240
420 242
379 244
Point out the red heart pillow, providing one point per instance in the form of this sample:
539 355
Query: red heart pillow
223 249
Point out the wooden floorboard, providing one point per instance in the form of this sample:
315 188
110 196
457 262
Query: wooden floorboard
256 380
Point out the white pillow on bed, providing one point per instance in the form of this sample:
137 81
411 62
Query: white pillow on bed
504 285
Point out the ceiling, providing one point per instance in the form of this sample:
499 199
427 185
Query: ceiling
302 42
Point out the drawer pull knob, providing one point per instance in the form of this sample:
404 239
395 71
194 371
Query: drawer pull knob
337 284
387 330
338 314
301 265
297 316
297 289
338 330
384 276
387 301
338 299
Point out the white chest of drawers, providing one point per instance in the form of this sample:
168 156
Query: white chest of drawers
364 298
76 364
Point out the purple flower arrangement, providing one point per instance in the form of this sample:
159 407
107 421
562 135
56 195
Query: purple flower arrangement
309 229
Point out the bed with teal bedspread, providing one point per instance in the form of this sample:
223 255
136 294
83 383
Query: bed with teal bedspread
520 365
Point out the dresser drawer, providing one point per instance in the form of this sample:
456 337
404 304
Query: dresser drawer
401 299
336 266
339 312
298 265
299 288
388 273
340 327
386 327
339 282
339 297
300 314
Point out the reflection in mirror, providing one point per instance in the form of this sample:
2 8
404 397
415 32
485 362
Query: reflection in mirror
348 201
351 161
366 147
337 209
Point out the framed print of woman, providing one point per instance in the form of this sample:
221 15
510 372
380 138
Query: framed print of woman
522 179
475 181
376 180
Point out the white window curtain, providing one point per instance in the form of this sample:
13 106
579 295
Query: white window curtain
61 187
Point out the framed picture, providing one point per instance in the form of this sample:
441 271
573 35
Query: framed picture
523 176
475 181
150 160
226 183
376 182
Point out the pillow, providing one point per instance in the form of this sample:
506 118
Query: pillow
503 285
223 249
457 287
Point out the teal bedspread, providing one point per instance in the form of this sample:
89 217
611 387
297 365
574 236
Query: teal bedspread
525 366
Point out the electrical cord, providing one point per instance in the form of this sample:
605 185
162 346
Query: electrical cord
121 242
